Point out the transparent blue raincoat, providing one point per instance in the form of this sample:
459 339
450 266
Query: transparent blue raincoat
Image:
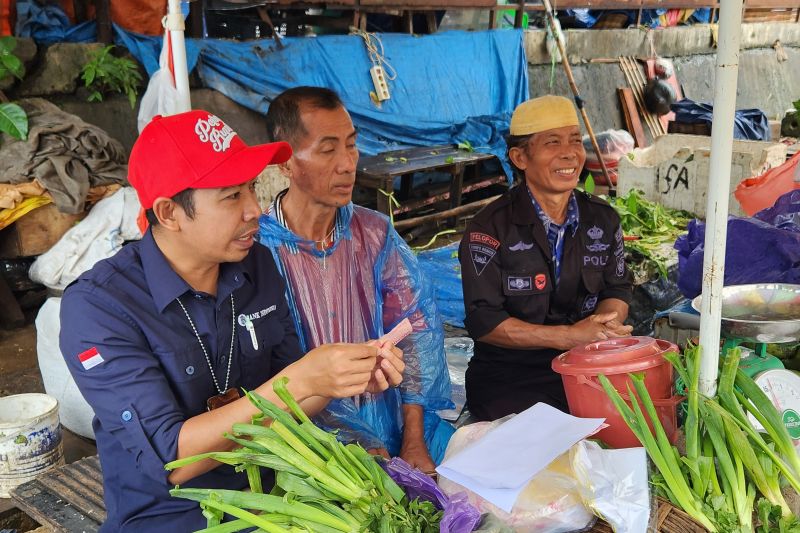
355 291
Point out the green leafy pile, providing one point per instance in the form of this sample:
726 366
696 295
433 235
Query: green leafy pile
727 462
106 73
321 485
655 228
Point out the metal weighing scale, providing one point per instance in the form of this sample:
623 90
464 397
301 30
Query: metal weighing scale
762 314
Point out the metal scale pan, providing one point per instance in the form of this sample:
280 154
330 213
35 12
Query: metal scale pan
766 313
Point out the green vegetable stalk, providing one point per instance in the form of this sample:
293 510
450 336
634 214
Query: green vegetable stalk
321 485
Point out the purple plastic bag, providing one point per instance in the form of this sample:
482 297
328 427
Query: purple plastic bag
757 251
459 515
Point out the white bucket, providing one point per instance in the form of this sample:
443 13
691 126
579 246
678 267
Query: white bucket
30 439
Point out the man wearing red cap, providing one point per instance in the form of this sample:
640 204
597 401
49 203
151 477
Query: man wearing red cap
162 336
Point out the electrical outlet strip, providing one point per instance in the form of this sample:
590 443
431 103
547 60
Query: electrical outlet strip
379 81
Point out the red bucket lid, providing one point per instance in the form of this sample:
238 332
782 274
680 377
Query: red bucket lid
613 356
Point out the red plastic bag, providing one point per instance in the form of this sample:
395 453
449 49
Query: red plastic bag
761 192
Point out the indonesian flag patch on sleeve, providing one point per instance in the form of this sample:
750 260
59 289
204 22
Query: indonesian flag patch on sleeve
90 358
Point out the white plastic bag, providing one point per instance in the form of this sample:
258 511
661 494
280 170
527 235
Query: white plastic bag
550 503
111 222
161 96
613 483
75 413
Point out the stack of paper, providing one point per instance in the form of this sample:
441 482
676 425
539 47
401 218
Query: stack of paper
498 466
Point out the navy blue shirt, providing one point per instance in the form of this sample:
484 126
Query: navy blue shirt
138 363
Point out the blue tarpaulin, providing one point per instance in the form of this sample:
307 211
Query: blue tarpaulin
443 271
748 124
450 87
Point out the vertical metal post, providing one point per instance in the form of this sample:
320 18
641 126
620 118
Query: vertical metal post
719 181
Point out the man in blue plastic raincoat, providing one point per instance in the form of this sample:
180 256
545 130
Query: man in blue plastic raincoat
351 277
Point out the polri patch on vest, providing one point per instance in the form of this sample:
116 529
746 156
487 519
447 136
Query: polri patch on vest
620 266
519 283
596 234
595 260
589 304
521 246
482 248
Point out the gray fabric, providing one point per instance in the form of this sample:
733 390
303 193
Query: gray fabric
64 153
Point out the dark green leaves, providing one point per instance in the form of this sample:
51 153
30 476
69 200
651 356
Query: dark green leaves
14 121
106 73
9 63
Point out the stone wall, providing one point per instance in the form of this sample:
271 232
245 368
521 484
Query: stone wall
765 82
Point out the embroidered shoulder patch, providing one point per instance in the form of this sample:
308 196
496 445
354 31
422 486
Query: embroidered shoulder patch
482 248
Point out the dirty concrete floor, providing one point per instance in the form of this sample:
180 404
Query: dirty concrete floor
19 373
19 369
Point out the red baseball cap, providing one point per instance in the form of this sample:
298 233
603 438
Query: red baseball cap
195 150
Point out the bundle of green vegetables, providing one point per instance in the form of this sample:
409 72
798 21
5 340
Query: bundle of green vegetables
321 485
726 460
652 230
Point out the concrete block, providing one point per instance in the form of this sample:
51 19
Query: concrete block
59 71
675 170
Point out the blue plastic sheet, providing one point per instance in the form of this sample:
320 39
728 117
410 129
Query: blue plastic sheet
49 24
748 124
785 214
759 250
441 268
450 87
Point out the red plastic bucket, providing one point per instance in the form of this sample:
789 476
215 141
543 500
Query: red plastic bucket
615 359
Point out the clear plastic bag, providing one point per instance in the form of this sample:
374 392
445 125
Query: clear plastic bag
550 503
614 484
613 145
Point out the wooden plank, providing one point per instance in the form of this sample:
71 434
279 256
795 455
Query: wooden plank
103 16
416 159
66 498
771 4
435 5
36 501
677 4
36 232
454 212
632 117
411 206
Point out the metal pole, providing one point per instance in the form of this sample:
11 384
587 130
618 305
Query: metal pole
548 9
719 180
173 23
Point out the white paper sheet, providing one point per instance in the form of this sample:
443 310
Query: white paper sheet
498 466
